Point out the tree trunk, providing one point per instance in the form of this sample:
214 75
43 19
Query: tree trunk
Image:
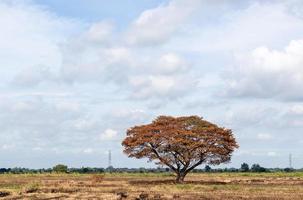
180 177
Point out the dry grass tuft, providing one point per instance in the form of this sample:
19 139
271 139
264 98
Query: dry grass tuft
97 178
31 188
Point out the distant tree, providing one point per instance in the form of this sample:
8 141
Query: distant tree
60 168
142 170
181 143
244 167
207 168
288 169
3 170
84 170
110 169
257 168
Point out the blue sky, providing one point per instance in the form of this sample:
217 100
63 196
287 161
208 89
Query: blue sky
76 74
93 10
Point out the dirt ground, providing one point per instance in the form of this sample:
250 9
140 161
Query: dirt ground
114 186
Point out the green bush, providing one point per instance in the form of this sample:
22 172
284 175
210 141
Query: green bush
60 168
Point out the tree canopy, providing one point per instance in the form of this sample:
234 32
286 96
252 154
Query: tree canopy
181 143
60 168
244 167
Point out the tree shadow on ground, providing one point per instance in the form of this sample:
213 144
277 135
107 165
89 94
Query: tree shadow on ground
173 182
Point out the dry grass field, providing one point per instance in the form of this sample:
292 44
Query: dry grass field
152 186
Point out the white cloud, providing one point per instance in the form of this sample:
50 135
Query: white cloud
272 154
296 109
234 30
264 136
295 7
256 152
32 76
269 73
7 146
88 151
95 63
37 148
247 114
170 63
83 124
68 106
22 107
296 122
35 44
109 134
157 25
100 32
160 86
126 114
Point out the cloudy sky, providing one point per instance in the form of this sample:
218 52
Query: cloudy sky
74 75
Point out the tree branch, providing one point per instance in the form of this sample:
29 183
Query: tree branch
161 159
194 166
182 162
178 161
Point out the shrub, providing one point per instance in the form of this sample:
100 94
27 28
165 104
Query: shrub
60 168
257 168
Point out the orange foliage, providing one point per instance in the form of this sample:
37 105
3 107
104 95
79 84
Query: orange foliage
181 143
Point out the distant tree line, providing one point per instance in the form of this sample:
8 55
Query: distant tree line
246 168
61 168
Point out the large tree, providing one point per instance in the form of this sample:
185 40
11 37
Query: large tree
181 143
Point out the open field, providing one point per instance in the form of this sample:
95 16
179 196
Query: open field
152 186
